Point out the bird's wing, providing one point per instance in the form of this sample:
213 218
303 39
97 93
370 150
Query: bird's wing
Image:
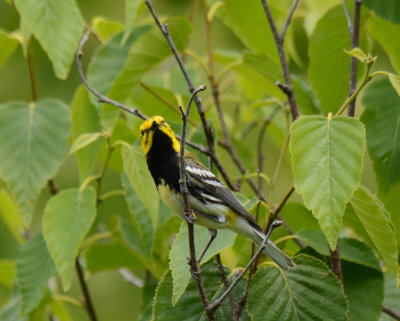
210 184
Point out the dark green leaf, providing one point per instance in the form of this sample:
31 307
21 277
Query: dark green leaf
7 47
382 121
387 9
309 291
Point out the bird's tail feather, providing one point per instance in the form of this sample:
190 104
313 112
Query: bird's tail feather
273 251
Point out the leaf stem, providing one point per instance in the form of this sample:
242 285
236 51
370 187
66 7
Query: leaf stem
103 169
31 72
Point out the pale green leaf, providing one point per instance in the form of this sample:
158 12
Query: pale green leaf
7 271
351 250
109 256
105 29
363 287
84 119
67 218
376 222
327 156
11 215
59 311
382 121
7 46
387 9
180 252
358 54
309 291
84 140
146 52
329 68
57 25
385 32
34 267
141 180
10 311
391 200
395 82
131 13
33 140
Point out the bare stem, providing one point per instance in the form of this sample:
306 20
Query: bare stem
279 39
85 291
187 212
31 71
336 266
394 314
207 129
355 32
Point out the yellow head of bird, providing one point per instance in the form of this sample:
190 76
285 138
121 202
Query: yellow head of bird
149 126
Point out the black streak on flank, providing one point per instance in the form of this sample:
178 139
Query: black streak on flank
162 161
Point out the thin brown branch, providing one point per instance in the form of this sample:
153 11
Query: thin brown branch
85 291
217 303
207 129
336 266
355 35
188 213
31 72
279 39
235 312
394 314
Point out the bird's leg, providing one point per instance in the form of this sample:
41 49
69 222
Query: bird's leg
213 234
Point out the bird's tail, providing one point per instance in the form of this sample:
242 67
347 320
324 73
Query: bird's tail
272 250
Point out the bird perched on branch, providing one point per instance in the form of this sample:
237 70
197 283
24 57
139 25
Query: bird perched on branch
214 205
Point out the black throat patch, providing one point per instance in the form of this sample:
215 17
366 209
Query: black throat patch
163 161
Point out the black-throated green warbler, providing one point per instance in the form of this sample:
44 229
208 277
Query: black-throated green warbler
213 203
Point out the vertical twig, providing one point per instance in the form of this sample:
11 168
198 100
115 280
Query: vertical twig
287 88
85 291
188 214
389 311
355 35
336 266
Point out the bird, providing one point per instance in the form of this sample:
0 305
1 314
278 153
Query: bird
214 205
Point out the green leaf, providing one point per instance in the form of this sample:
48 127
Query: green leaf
364 290
33 140
249 23
105 29
385 32
105 65
358 54
109 256
329 68
11 215
141 180
34 267
146 52
309 291
84 119
351 250
395 82
166 231
392 296
67 218
84 140
327 156
7 271
131 13
387 9
10 311
189 307
180 252
376 222
392 204
57 25
7 46
382 121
